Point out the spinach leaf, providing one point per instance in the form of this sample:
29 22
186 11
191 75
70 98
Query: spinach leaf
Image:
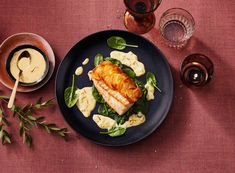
115 131
129 72
118 43
140 84
114 61
97 96
119 119
106 110
122 119
142 104
70 95
98 59
103 110
150 78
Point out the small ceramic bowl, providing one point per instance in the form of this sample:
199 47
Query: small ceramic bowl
10 45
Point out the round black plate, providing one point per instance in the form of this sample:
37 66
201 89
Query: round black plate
147 53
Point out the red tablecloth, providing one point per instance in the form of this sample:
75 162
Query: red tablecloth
198 134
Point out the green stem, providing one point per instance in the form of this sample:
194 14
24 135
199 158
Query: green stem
72 88
158 89
4 97
20 115
130 45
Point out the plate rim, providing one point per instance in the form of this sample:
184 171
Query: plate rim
162 117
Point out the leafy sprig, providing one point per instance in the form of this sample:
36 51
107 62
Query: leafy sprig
27 120
151 79
4 134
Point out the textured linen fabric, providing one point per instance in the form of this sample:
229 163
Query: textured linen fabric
198 135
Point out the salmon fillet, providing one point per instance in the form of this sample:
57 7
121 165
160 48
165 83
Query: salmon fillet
117 89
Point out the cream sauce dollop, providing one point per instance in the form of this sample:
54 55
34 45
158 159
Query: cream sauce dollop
86 102
104 122
79 71
129 59
32 68
107 123
134 120
150 91
85 62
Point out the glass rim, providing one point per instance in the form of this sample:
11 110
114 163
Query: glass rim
180 9
148 12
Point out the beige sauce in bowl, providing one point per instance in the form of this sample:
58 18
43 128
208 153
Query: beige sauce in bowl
33 69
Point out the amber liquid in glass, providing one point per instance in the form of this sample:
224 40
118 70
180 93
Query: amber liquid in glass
142 7
139 16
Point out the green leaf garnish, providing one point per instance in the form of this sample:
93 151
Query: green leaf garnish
98 59
97 96
114 61
118 43
70 95
129 72
115 132
27 120
151 79
4 135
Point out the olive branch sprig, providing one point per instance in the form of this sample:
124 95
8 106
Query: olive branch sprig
4 134
27 120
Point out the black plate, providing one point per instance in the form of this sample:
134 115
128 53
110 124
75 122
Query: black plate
147 53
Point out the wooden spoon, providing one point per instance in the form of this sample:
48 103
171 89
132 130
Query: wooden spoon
24 54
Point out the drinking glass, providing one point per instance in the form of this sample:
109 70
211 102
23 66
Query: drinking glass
176 27
196 70
139 16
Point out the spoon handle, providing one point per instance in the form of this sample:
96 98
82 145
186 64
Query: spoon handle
13 94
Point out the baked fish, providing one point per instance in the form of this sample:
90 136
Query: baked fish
117 89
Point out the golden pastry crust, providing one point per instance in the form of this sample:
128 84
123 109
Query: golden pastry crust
117 80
